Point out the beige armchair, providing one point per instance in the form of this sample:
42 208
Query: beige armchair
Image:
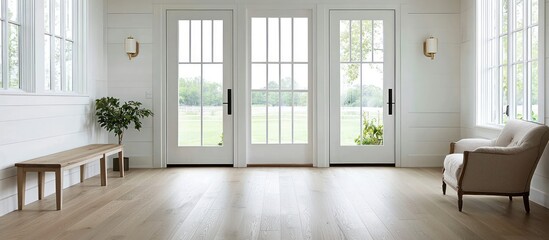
503 166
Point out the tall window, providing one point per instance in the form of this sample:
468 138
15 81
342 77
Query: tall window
9 44
508 57
280 80
59 44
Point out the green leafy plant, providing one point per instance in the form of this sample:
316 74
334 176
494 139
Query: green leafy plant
372 133
116 118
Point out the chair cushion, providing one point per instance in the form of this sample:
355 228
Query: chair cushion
453 164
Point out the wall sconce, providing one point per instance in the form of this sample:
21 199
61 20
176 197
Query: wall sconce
132 47
430 47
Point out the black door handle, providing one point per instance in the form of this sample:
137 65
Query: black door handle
229 102
390 102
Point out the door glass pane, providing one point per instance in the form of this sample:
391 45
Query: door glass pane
285 39
184 40
218 41
259 39
207 41
372 104
344 41
259 117
201 90
274 77
361 84
301 76
280 110
355 40
350 103
300 117
301 39
259 74
212 104
273 121
367 36
274 39
190 112
378 41
286 112
196 43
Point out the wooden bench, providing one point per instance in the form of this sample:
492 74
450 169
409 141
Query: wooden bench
58 162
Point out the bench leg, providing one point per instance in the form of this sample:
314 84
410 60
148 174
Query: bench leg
103 164
82 172
21 182
59 188
121 163
41 183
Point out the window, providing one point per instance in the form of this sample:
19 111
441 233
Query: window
9 44
508 59
59 44
280 74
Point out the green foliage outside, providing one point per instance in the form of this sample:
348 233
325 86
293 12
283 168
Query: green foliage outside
189 93
372 133
116 118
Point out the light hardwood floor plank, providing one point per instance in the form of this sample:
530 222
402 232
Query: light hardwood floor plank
274 203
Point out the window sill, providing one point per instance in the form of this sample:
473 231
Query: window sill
12 92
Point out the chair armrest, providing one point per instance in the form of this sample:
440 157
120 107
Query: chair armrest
498 170
470 144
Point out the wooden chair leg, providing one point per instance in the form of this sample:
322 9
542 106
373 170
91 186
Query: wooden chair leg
443 188
510 198
41 184
460 200
82 173
526 202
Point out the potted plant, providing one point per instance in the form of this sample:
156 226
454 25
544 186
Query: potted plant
116 118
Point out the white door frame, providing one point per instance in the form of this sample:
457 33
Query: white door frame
320 75
322 155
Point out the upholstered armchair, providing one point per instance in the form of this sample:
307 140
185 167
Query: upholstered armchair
503 166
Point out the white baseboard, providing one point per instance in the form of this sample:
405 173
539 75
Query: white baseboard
539 197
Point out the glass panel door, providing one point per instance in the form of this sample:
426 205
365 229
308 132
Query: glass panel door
199 84
361 84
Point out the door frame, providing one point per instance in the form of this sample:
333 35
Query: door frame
159 56
320 13
323 82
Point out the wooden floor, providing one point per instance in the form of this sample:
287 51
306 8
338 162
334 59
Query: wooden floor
274 203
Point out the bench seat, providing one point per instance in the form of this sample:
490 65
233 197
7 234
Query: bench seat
58 162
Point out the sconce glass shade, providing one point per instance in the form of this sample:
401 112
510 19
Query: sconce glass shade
430 47
131 46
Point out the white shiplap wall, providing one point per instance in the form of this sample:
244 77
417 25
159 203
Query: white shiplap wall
430 89
539 191
33 126
132 80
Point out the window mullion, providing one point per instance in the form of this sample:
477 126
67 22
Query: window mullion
62 16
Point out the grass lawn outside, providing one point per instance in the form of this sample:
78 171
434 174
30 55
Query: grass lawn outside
190 125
